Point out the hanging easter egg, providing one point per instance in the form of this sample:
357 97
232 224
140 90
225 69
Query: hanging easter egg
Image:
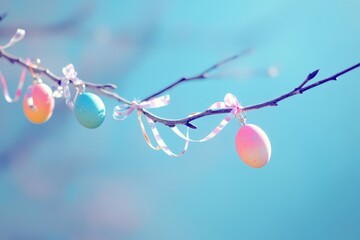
89 110
253 146
38 103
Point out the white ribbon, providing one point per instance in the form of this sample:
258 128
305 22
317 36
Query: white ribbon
17 37
121 112
64 89
230 101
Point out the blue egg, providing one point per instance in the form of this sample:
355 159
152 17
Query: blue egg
89 110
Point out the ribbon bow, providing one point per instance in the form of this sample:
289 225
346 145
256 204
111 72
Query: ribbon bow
230 101
64 90
121 112
69 72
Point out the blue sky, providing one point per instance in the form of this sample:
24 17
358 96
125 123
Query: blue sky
62 181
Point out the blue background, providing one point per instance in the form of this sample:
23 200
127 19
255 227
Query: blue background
62 181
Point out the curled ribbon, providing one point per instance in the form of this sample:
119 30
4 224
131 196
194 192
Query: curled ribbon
162 143
121 112
230 101
18 90
17 37
64 89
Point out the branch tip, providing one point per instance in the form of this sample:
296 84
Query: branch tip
190 125
312 75
2 16
109 86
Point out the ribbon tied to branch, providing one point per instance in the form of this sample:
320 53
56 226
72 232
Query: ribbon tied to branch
70 75
121 112
230 101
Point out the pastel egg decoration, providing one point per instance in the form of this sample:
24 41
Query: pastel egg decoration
253 146
89 110
38 103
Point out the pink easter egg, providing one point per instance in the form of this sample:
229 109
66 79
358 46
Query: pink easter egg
38 103
253 145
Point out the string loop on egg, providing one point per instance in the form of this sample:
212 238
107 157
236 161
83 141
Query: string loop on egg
241 117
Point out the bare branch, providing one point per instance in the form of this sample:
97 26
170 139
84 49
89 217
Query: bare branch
202 75
274 102
2 16
308 78
102 88
107 89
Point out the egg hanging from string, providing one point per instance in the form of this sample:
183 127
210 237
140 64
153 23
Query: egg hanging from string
253 145
38 103
89 110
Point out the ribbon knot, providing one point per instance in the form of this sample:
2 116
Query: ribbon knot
70 75
121 112
231 101
135 105
69 72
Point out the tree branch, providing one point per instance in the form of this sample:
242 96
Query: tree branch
107 89
2 16
202 75
274 102
104 89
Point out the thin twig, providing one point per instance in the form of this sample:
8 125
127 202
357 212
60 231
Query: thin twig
202 75
2 16
308 78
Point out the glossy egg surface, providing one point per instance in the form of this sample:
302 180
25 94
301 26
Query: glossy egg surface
38 103
89 110
253 146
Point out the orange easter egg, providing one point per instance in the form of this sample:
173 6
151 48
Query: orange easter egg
253 146
38 103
